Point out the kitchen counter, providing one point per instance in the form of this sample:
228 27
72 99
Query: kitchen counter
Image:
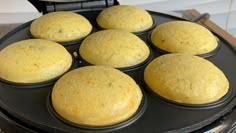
5 28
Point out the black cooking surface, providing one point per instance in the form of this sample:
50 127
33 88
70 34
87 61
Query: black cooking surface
29 105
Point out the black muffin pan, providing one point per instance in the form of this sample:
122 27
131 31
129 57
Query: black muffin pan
226 98
129 121
31 106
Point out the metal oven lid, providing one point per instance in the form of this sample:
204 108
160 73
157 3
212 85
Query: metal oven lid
46 6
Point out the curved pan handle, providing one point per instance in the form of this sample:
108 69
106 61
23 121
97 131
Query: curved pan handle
201 17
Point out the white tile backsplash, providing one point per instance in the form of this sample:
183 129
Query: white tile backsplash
170 5
233 5
232 23
214 7
220 18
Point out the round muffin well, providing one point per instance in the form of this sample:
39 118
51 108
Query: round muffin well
60 26
184 37
33 61
96 96
185 78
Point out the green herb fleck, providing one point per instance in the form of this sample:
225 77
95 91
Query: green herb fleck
36 65
110 84
60 31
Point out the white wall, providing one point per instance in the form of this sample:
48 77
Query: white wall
12 6
18 11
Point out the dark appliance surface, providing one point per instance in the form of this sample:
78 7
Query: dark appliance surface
27 108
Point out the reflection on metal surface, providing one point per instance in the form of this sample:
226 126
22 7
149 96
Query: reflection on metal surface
217 129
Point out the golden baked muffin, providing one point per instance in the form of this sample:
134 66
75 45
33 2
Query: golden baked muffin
126 17
183 37
186 78
60 26
116 48
33 60
96 96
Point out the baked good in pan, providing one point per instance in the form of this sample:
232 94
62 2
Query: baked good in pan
186 78
116 48
183 37
125 17
96 96
60 26
33 61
